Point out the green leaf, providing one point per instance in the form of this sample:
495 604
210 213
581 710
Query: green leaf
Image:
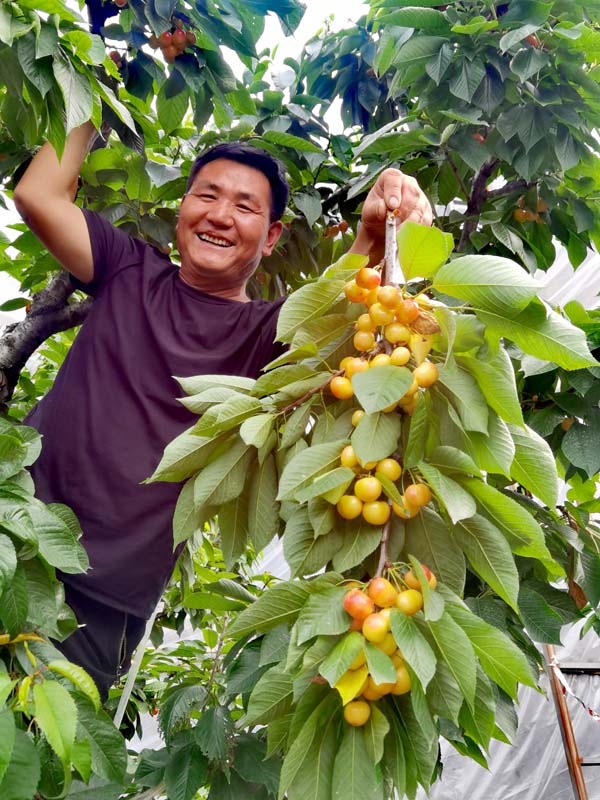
223 479
417 434
78 677
295 425
381 666
458 503
528 61
533 465
487 282
309 204
184 456
56 715
109 754
171 110
464 83
315 782
322 516
321 486
496 379
7 739
279 604
199 383
354 774
289 140
323 614
186 772
495 451
479 723
542 622
360 539
456 650
376 731
271 698
177 705
520 529
414 647
216 602
57 543
255 430
465 395
341 657
428 538
76 92
23 773
376 436
212 732
489 555
422 249
545 335
307 303
14 603
186 519
308 465
429 20
8 562
580 445
233 529
305 554
394 757
379 388
499 656
433 602
263 509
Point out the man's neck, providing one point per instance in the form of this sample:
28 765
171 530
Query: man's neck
226 292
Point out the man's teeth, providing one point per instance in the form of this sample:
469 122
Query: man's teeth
213 240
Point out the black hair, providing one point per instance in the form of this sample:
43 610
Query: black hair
264 162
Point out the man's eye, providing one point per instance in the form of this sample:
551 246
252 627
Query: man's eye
242 207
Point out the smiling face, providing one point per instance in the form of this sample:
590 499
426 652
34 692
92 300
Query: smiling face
224 227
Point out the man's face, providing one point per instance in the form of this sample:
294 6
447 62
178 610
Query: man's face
224 226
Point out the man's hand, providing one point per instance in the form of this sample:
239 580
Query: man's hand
393 191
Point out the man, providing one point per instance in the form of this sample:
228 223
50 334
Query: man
113 406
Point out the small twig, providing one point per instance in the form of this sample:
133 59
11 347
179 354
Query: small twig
216 662
383 554
457 175
310 393
151 794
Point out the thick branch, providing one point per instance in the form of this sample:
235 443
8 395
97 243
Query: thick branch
477 198
50 313
509 188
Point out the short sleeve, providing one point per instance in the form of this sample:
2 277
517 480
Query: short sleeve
112 251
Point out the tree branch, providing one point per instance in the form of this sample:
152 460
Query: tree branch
383 553
50 313
509 188
477 198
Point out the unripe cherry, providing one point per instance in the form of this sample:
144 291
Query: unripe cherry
358 604
380 360
368 278
354 293
341 388
388 646
400 356
363 341
417 495
367 489
407 311
403 683
388 296
345 361
397 659
355 365
396 333
382 592
376 512
349 506
348 457
371 298
409 601
365 323
404 513
358 661
380 314
357 713
390 468
426 374
375 628
357 416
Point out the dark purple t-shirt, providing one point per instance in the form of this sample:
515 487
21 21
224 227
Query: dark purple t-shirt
113 408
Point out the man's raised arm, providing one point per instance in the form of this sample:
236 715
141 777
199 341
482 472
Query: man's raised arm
45 196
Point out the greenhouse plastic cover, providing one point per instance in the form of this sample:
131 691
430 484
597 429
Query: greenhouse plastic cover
535 767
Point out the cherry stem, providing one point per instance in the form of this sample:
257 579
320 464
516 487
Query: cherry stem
383 553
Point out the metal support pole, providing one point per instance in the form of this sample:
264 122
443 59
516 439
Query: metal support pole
566 728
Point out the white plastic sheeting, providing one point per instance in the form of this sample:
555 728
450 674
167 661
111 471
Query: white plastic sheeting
535 767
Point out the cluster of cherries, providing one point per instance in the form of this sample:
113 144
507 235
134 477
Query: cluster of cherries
392 322
174 42
370 612
367 489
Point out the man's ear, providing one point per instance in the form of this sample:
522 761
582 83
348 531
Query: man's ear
275 229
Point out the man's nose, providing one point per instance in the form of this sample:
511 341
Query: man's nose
221 211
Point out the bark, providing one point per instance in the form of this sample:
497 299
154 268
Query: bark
477 198
50 312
